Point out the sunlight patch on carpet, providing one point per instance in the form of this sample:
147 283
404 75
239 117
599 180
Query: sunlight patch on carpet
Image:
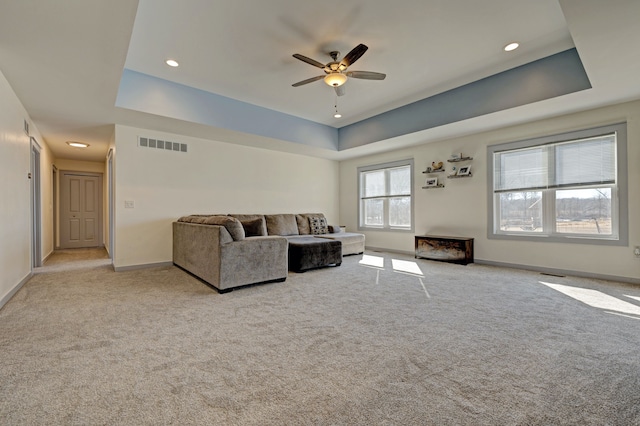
373 261
405 266
595 298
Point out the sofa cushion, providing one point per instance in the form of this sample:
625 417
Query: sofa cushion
281 224
352 243
318 225
254 224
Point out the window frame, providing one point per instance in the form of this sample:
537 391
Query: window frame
386 227
619 191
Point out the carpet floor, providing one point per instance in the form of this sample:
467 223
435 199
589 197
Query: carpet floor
384 339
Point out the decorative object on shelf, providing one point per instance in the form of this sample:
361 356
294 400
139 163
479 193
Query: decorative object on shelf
460 171
431 181
436 167
464 171
459 157
430 170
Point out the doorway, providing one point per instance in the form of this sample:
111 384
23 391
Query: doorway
80 209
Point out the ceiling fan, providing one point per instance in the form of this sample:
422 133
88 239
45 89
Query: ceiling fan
336 73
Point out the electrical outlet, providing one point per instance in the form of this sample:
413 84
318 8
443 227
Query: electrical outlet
636 251
128 204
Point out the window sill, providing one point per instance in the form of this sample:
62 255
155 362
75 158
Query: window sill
569 239
381 229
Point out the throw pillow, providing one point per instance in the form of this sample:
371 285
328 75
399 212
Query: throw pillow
254 228
303 225
254 224
318 225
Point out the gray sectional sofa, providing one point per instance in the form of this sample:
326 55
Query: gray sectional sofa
229 251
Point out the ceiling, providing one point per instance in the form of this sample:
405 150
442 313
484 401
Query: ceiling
65 59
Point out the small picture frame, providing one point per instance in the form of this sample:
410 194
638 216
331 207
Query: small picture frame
431 181
464 171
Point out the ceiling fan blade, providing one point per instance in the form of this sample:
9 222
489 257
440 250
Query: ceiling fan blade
354 55
367 75
308 60
307 81
340 90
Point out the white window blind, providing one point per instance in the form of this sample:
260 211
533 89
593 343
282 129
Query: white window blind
375 185
585 162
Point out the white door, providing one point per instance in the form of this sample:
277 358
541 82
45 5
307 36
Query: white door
80 210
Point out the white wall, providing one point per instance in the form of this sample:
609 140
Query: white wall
213 177
15 207
80 166
460 209
46 193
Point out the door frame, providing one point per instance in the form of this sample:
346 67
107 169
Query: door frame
111 204
36 204
54 192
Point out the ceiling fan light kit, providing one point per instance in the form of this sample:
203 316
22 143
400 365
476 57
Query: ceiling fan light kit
335 79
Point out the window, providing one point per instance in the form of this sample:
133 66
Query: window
386 196
569 187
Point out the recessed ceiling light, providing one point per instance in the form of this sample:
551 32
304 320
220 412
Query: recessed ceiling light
77 144
511 46
337 115
172 62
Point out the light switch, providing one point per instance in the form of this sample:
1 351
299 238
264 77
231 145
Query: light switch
128 204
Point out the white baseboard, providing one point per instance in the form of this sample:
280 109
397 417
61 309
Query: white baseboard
142 266
554 271
47 256
543 270
14 290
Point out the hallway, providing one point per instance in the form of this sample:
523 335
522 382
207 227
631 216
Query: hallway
73 259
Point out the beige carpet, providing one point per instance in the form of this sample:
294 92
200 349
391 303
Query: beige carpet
393 342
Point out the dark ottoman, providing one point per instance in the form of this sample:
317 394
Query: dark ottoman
308 253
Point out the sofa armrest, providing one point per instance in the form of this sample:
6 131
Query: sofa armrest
253 260
196 248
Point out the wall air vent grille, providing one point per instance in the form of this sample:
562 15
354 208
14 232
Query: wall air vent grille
160 144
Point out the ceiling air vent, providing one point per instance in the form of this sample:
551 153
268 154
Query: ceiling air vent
161 144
